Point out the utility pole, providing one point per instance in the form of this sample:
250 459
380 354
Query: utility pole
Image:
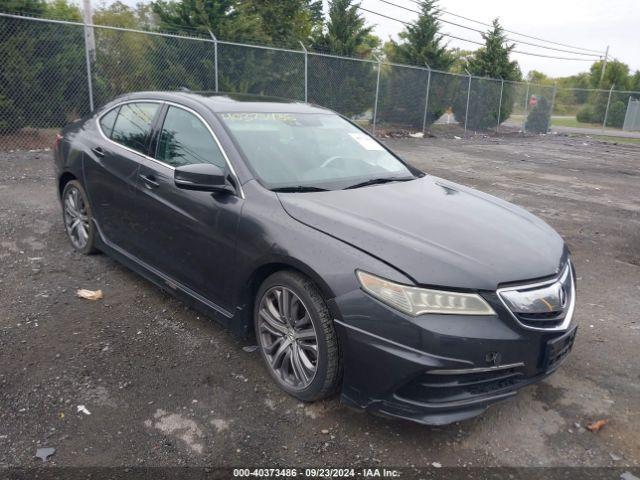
88 31
466 112
89 48
306 72
375 105
215 57
604 64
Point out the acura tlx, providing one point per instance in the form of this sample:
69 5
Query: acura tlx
413 296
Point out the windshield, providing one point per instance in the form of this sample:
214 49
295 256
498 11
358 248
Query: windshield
311 151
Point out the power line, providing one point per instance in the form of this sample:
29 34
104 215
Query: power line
514 32
475 42
482 32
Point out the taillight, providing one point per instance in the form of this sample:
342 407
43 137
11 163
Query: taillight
58 140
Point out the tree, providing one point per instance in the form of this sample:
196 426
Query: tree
634 83
460 59
229 20
616 74
539 78
39 80
123 60
30 7
288 22
347 86
403 89
345 32
63 10
421 42
491 61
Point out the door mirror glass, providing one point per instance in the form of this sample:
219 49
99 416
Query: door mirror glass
201 176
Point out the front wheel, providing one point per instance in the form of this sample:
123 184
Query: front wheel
296 336
78 218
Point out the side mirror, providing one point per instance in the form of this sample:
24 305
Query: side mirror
201 176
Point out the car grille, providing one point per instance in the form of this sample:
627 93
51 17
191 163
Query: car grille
546 305
456 387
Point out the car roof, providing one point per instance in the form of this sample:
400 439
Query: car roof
231 102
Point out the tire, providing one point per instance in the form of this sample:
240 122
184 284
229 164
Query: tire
294 329
78 218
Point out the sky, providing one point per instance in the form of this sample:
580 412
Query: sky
589 24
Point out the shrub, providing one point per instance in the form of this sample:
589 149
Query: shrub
538 118
617 111
586 114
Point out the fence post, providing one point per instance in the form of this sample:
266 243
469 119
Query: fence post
88 35
526 109
375 105
500 104
426 100
466 112
215 57
553 102
606 111
306 72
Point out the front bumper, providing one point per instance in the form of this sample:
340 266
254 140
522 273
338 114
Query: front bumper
438 369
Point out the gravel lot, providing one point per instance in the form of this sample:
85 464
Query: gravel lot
165 386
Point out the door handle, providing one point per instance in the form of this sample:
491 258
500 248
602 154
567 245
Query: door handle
98 151
149 181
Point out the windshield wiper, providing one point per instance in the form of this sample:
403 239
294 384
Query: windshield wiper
299 188
375 181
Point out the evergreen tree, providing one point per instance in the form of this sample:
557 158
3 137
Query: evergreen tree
288 22
227 19
403 89
345 32
420 41
39 82
347 86
492 60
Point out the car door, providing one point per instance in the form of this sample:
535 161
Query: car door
111 172
190 235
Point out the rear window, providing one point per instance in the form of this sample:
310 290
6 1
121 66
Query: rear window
133 125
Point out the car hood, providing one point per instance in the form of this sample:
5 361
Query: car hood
436 232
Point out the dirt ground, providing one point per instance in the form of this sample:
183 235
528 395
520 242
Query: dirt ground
165 386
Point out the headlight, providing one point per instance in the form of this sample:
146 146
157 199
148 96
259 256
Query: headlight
416 301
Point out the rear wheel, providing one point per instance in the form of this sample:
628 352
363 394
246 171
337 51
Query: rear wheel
296 336
78 218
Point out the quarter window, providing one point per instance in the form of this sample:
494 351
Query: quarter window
185 140
133 125
106 122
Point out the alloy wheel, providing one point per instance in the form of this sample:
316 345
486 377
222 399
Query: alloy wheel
288 337
76 218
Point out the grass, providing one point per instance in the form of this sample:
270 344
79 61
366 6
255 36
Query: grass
610 138
572 122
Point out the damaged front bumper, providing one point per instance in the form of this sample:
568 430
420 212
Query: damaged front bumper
439 369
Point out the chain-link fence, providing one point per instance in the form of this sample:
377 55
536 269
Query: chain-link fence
56 71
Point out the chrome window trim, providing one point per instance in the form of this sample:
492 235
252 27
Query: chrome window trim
128 149
569 315
166 165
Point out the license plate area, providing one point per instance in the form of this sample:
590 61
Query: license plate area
556 350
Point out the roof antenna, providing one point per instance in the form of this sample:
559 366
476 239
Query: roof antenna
185 89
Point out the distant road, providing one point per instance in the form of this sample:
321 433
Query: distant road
517 123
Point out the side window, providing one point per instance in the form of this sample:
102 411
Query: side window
106 122
186 140
133 125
